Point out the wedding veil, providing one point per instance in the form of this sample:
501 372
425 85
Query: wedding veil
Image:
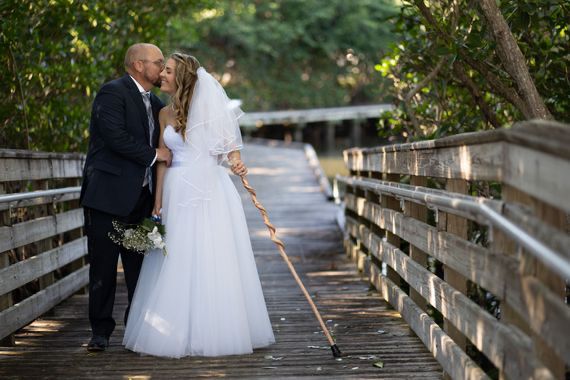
212 110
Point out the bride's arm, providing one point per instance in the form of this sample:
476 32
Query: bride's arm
237 165
160 166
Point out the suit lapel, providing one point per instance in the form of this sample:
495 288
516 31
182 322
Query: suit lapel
137 98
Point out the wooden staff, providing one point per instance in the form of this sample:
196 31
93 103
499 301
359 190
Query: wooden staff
335 350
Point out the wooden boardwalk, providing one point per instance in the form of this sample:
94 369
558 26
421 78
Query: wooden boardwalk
366 328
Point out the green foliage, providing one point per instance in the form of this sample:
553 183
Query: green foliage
56 54
271 54
445 105
291 53
275 55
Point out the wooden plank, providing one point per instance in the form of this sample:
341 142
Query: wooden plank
505 346
473 162
555 238
451 357
32 154
25 271
28 232
258 119
538 174
542 309
17 169
546 136
32 307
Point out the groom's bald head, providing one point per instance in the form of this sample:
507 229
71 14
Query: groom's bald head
139 52
144 62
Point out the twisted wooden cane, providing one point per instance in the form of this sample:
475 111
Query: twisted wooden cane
335 350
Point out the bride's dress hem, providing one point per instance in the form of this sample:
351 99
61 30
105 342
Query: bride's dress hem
198 354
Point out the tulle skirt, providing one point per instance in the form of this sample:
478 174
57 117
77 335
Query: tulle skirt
203 298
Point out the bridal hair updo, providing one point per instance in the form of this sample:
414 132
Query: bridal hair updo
186 76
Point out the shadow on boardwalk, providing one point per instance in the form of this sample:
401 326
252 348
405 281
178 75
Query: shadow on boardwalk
366 328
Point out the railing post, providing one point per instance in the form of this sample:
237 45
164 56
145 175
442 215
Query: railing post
529 266
76 234
46 244
298 134
418 212
330 133
392 203
457 226
355 132
6 300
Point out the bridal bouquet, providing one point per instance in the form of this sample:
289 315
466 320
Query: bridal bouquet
142 238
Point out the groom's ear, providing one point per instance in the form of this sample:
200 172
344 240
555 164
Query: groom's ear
138 66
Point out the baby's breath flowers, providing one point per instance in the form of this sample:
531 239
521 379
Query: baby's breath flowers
141 238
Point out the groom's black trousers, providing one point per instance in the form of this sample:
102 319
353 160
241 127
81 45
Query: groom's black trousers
103 258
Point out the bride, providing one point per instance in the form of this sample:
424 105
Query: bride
204 297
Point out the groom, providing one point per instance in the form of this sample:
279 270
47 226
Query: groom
118 179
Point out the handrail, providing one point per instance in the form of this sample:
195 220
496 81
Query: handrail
532 245
6 198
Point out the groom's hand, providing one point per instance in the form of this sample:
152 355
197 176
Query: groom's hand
164 155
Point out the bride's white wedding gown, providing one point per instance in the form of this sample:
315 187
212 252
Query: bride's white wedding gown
204 297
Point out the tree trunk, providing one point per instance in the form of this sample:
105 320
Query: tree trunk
513 60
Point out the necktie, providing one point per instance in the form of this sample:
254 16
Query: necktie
146 101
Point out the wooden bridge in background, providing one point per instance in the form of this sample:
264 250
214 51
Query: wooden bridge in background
321 126
465 241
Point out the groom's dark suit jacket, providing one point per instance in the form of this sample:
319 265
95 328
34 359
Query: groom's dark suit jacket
119 150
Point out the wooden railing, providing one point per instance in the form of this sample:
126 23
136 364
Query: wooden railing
467 237
41 244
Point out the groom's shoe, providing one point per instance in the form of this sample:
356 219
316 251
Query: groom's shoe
98 343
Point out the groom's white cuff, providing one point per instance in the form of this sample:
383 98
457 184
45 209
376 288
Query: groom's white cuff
153 161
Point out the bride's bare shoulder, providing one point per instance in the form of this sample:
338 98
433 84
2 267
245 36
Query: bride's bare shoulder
166 115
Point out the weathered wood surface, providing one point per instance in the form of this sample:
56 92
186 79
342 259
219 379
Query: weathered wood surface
530 157
366 328
496 340
474 264
17 165
41 262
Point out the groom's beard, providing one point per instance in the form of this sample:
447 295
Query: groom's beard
157 83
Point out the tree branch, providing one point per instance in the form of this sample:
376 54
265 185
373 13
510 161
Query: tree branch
491 79
513 59
417 88
428 78
14 68
476 94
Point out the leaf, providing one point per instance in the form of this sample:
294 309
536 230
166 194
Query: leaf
378 364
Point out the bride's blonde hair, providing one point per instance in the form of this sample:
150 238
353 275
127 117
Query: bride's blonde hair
185 75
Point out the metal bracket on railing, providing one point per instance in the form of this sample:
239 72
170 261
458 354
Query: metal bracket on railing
435 210
336 194
490 234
